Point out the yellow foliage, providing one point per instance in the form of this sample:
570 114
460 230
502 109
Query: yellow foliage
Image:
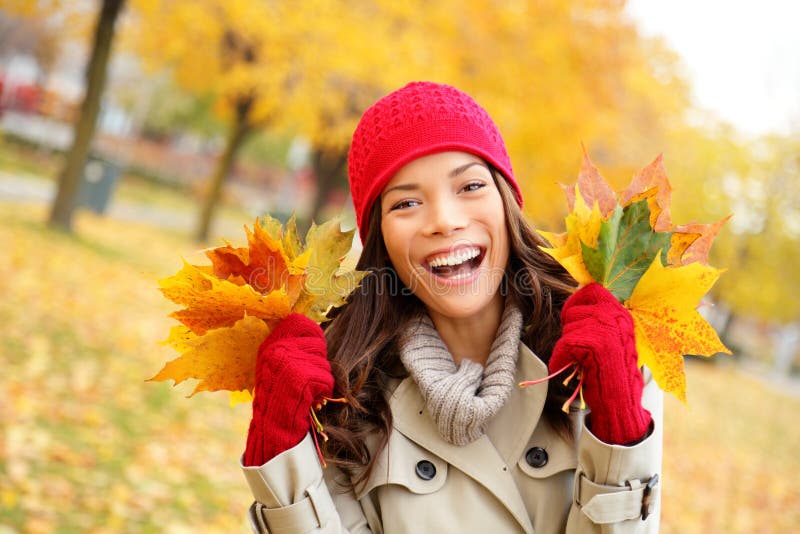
583 226
224 358
63 20
667 324
552 73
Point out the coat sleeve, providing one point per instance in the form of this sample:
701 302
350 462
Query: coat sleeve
616 488
292 495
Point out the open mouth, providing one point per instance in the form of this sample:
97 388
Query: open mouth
455 264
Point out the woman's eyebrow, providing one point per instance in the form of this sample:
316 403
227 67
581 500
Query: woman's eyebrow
459 170
452 174
401 187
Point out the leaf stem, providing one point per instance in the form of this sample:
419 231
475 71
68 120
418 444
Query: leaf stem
548 377
314 429
568 402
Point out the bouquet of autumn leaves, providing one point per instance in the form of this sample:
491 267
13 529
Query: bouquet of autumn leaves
232 305
658 271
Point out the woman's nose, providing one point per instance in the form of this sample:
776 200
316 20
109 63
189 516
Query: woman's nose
444 217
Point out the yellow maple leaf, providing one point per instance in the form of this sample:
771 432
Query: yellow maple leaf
238 397
222 359
327 284
583 226
667 324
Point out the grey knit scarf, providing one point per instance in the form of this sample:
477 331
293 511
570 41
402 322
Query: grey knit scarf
462 399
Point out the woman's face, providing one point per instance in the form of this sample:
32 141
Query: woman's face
444 227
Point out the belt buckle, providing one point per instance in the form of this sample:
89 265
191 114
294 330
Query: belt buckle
652 483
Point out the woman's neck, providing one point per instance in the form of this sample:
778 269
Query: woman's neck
471 337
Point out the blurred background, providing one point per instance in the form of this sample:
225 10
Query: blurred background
137 132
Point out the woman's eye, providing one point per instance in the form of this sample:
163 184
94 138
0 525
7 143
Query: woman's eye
403 205
473 186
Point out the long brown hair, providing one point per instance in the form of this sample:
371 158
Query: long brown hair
363 335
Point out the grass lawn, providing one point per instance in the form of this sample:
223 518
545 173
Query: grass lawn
731 461
88 446
24 159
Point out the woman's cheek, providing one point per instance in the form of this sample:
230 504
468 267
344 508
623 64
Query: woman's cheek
401 272
402 267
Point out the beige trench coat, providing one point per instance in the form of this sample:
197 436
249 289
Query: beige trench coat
486 486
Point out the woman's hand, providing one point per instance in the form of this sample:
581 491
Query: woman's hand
597 334
292 376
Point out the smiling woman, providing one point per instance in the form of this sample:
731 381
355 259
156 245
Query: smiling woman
461 306
444 227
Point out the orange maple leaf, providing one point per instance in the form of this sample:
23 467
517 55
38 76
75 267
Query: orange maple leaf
213 303
593 188
652 183
691 242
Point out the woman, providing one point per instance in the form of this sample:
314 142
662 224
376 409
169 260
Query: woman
460 306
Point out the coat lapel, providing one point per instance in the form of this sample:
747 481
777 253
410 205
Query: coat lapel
511 429
481 460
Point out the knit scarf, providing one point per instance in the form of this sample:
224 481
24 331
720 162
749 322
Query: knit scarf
462 398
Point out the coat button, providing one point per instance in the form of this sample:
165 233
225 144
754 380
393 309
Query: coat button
425 470
536 457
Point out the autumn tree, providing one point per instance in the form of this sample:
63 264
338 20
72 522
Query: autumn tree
57 17
70 177
297 68
556 74
762 249
553 74
242 54
31 36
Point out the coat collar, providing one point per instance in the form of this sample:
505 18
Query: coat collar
490 459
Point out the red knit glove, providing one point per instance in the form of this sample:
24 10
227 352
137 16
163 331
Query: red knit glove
292 374
597 334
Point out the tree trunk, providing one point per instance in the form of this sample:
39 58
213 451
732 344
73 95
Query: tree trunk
236 136
70 177
329 165
787 341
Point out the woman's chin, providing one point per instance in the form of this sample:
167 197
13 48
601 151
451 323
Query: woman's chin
459 304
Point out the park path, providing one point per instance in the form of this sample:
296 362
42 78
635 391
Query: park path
22 188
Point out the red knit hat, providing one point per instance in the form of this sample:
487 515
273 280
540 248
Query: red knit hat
420 119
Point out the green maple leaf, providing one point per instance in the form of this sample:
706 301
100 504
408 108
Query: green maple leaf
327 284
626 246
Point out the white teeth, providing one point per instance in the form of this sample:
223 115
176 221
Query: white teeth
459 257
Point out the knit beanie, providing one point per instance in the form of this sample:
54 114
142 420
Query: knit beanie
417 120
